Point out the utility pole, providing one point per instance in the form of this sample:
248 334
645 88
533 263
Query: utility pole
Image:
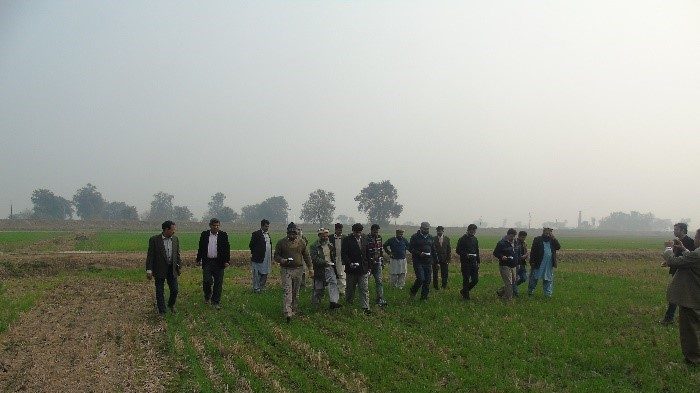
529 220
10 211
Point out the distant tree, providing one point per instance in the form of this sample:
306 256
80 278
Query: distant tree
274 209
48 206
218 210
481 223
378 201
182 214
634 221
556 224
25 214
89 203
161 207
345 220
319 208
119 211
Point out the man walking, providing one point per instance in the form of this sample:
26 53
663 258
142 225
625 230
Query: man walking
291 254
260 246
163 264
396 248
543 260
214 254
680 231
354 256
468 251
322 257
421 248
375 254
337 240
300 235
443 254
520 251
507 261
684 291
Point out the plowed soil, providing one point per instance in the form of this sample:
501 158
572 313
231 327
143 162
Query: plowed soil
87 335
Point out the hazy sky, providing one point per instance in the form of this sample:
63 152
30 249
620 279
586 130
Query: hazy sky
472 109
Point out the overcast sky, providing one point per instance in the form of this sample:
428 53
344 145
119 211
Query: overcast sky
472 109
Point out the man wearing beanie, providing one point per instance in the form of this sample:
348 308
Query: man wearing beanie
375 254
289 253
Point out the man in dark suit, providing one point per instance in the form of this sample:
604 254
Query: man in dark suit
684 291
441 258
260 255
354 256
214 254
680 231
163 264
468 250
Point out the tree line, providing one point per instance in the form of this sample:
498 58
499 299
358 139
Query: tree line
377 200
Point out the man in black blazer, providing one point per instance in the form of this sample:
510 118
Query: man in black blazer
260 255
163 264
680 231
354 257
214 254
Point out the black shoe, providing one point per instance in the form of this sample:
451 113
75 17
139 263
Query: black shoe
172 309
465 294
335 305
413 294
207 301
289 319
367 311
423 298
436 288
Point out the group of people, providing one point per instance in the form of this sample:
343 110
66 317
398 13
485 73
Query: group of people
343 264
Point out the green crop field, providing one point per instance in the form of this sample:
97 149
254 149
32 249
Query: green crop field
130 241
16 241
598 333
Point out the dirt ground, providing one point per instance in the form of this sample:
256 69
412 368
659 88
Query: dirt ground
46 264
87 335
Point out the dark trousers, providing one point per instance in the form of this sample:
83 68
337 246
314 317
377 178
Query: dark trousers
670 312
470 276
171 278
689 329
443 267
422 271
212 275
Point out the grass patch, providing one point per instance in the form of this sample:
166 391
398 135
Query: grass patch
14 241
598 333
19 295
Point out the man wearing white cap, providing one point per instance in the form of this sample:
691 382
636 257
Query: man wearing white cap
322 257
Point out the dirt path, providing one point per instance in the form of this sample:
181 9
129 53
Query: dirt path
89 335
